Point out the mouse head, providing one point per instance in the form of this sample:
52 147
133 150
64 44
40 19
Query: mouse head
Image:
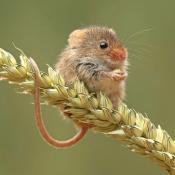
98 42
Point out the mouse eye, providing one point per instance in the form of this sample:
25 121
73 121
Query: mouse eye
103 45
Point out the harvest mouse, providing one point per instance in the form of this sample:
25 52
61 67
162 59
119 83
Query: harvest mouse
95 56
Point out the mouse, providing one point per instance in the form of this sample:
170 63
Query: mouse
96 57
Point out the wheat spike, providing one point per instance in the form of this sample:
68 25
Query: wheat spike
124 124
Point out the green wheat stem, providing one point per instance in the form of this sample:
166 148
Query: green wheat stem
124 124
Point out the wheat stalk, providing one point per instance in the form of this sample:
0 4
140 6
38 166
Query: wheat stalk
136 130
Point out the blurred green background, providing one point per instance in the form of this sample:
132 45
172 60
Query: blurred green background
41 29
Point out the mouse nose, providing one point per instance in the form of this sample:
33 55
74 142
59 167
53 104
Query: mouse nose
119 54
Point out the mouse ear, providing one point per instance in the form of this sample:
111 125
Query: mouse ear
76 37
112 31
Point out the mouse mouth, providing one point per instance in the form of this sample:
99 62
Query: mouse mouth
115 63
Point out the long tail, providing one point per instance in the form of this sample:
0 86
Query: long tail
40 123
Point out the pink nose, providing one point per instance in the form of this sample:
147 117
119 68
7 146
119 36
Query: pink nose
119 54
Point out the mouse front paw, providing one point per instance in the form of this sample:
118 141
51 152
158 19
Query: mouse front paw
117 76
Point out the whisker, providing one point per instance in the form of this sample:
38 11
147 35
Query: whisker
137 33
140 44
140 50
136 56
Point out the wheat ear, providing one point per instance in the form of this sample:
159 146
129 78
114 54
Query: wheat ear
137 131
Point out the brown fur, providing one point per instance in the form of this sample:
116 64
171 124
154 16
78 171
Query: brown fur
84 59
